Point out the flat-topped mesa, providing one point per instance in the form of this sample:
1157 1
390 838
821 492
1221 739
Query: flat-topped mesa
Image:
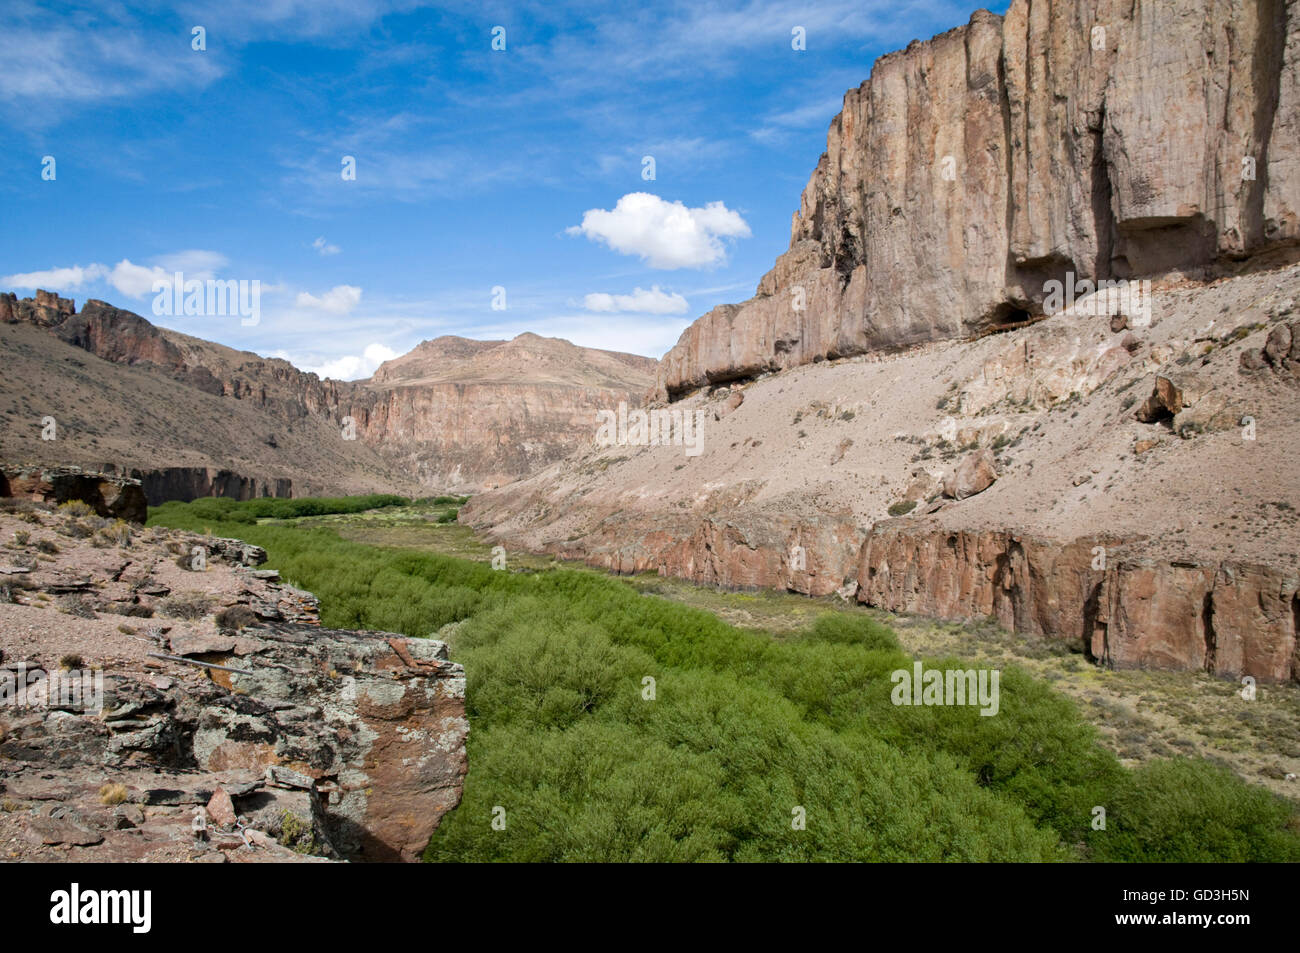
1068 140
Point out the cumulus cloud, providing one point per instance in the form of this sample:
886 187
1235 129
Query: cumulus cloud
639 301
340 299
664 234
324 247
54 279
348 368
136 281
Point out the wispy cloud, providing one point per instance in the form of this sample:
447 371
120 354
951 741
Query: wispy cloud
819 113
57 61
127 277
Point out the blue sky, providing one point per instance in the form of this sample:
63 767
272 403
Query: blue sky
476 168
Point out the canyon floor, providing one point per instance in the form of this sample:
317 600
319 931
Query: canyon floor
1141 715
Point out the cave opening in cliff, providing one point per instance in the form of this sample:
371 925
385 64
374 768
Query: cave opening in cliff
1007 317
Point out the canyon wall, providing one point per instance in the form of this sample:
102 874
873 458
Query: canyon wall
1128 610
1129 492
192 483
1103 138
452 415
465 415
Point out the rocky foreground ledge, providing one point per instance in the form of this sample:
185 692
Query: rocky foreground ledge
297 743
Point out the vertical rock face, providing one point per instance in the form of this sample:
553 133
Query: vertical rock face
191 483
1229 618
1093 138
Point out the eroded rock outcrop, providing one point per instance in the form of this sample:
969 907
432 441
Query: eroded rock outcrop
207 688
1125 610
161 484
107 494
1070 140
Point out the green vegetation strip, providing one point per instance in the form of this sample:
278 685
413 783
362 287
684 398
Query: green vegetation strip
245 512
744 733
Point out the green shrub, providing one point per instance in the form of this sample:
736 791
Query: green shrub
247 512
1185 811
743 730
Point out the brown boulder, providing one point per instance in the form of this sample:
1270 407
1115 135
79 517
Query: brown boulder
974 474
221 809
734 400
1278 345
1253 359
1171 394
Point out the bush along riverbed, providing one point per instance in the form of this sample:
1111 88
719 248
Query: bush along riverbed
607 725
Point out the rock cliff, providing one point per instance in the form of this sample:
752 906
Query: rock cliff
1080 139
1033 353
107 494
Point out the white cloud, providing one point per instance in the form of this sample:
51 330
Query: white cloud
340 299
130 279
136 281
348 368
55 279
639 301
53 60
664 234
324 247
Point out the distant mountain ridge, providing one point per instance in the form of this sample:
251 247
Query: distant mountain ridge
192 417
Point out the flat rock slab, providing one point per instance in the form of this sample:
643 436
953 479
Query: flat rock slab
49 830
191 643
